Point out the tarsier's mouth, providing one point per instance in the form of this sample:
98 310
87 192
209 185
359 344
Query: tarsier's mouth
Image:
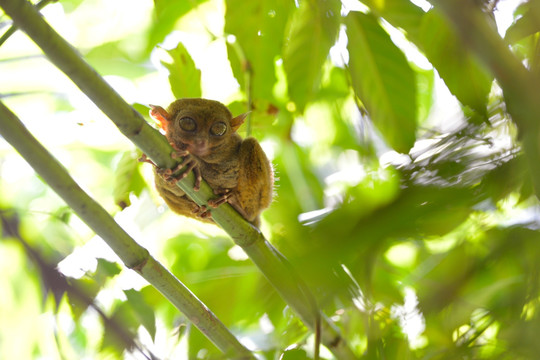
200 151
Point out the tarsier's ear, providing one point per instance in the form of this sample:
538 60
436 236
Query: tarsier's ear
237 121
161 115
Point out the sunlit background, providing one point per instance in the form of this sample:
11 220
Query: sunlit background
113 37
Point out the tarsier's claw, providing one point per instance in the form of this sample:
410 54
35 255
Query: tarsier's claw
198 178
145 158
206 214
202 212
199 209
179 153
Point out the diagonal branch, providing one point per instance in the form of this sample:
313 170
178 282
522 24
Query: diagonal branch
131 253
272 264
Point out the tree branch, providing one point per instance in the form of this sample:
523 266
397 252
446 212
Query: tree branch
272 264
132 254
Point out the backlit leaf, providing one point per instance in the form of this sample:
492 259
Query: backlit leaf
143 312
167 13
400 13
463 74
526 25
259 28
313 31
184 77
383 80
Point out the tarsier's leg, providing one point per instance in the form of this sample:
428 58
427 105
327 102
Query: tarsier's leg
255 182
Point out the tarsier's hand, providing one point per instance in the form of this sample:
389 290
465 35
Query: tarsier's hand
171 176
190 164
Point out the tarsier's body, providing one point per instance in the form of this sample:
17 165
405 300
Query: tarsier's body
204 133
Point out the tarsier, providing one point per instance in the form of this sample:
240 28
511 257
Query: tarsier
203 133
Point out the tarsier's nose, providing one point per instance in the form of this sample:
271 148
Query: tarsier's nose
199 147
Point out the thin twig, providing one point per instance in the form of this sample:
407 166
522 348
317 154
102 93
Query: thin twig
40 5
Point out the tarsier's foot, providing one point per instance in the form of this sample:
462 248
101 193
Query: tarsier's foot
145 159
225 194
202 211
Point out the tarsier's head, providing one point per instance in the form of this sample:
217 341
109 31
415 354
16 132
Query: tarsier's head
200 126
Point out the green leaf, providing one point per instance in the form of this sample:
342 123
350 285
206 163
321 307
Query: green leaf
106 269
167 13
294 354
400 13
88 287
184 77
383 80
128 179
70 5
527 24
143 311
120 332
463 74
313 31
259 28
111 59
425 81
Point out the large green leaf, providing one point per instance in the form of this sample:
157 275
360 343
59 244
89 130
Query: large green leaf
184 77
463 74
313 31
383 80
259 30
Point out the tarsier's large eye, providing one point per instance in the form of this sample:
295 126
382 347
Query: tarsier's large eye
218 128
188 124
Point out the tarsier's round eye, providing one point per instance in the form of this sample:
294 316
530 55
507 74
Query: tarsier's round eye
218 128
188 124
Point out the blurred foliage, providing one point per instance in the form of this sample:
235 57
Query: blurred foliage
402 194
